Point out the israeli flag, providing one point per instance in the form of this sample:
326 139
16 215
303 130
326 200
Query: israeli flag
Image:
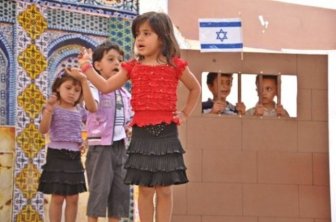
220 35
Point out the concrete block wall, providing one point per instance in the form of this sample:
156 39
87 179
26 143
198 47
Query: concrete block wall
247 169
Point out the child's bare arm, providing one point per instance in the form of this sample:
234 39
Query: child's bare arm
240 107
192 84
114 82
218 107
281 111
259 110
90 103
47 114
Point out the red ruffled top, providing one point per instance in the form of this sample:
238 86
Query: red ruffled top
154 91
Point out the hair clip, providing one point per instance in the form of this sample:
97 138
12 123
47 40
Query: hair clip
60 74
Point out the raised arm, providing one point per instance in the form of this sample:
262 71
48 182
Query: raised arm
89 101
114 82
190 81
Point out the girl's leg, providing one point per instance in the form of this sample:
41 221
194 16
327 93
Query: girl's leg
92 219
110 219
71 208
164 204
145 201
113 219
55 208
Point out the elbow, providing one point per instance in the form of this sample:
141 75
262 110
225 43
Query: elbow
92 109
105 90
43 131
198 90
95 109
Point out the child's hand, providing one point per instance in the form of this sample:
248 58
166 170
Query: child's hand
259 110
52 100
128 131
218 107
181 116
85 56
240 107
83 147
51 103
76 73
281 111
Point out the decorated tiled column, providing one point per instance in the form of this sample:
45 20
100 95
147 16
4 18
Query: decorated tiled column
31 88
3 87
121 33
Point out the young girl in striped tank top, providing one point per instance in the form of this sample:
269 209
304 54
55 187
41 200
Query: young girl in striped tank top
63 173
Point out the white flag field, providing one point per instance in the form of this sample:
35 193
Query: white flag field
220 35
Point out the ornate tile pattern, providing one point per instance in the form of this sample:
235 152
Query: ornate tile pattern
31 64
126 5
76 21
3 88
33 61
32 22
27 181
115 8
121 33
31 141
7 11
47 36
7 76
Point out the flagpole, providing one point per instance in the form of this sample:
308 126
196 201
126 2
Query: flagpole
239 92
219 91
260 87
279 90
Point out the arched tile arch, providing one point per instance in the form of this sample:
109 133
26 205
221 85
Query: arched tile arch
7 83
63 51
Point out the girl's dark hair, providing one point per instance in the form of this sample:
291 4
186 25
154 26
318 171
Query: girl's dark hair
61 77
163 27
212 76
103 48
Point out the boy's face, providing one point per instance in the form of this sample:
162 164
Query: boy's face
269 91
224 87
109 64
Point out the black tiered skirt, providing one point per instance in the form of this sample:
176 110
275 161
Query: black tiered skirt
63 173
155 157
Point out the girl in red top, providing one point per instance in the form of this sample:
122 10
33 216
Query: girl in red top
155 159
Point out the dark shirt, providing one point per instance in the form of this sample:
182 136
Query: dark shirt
229 109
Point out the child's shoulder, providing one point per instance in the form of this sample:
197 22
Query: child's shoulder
129 65
179 63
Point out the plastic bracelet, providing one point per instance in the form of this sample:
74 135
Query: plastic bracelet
85 67
86 61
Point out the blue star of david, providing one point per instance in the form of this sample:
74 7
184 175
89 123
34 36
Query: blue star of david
221 35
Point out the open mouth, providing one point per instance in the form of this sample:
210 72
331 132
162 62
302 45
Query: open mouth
140 47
